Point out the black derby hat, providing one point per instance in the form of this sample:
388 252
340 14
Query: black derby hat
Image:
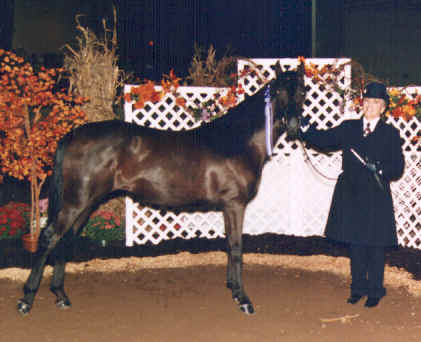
377 91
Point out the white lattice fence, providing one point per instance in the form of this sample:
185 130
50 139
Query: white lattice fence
293 199
407 191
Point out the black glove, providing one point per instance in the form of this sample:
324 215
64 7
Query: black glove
305 124
374 166
376 169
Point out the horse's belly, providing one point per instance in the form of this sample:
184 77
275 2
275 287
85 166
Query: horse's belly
168 193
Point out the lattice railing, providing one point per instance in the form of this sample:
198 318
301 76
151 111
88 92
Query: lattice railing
293 199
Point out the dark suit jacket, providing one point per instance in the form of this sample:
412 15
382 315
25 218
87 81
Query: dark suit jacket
361 212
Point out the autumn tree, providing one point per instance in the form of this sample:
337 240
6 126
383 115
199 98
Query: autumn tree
34 115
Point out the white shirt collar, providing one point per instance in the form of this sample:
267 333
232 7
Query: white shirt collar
373 123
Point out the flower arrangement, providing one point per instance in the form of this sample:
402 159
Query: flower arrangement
104 226
14 220
401 104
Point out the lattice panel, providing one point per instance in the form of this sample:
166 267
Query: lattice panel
406 192
407 200
293 198
166 114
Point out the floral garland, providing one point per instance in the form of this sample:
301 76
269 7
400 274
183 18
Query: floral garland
211 109
205 111
145 92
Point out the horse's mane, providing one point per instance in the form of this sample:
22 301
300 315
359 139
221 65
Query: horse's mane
230 133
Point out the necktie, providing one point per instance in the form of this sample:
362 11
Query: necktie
367 129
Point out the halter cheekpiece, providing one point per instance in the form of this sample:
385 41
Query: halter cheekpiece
268 122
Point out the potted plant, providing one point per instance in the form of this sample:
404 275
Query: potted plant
14 219
103 227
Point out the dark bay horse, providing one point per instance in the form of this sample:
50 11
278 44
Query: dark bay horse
217 166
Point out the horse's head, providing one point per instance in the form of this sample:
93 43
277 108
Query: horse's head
287 93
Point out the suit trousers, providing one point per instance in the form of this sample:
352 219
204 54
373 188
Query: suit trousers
367 270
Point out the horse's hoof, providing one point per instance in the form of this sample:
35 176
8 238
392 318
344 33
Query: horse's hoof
247 309
23 307
63 304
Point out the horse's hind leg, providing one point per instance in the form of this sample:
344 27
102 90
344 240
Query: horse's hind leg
233 218
48 241
61 252
57 281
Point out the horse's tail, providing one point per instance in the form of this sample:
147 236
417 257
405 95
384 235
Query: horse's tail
55 196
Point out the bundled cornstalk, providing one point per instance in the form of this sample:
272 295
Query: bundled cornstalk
93 71
208 71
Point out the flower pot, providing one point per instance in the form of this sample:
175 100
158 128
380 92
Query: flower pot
30 242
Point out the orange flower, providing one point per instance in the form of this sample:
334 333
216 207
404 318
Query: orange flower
139 104
166 85
180 101
402 99
397 112
127 97
155 96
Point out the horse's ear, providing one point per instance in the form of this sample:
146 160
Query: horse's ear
278 69
301 73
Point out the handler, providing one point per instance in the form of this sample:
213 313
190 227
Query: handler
361 212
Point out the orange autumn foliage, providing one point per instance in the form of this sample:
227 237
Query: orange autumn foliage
33 117
145 92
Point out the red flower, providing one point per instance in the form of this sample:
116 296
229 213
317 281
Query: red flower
3 219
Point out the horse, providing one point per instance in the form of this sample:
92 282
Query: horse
216 166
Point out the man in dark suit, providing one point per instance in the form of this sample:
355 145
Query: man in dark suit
361 212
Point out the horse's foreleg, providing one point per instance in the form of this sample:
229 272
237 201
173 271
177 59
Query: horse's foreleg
47 242
234 217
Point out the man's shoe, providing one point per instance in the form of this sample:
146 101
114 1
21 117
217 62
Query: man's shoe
354 299
371 302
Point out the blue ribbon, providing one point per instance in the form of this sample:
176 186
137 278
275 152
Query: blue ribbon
268 122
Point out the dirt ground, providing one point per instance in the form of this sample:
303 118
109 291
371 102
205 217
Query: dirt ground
182 297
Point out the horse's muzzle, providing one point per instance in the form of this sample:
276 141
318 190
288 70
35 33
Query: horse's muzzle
293 127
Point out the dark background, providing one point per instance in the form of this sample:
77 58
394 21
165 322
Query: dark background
247 28
156 35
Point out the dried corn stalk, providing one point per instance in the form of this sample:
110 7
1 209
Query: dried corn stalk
210 71
93 70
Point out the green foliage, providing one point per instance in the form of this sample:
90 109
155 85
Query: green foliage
104 226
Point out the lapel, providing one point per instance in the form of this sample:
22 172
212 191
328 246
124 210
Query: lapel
378 128
361 127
